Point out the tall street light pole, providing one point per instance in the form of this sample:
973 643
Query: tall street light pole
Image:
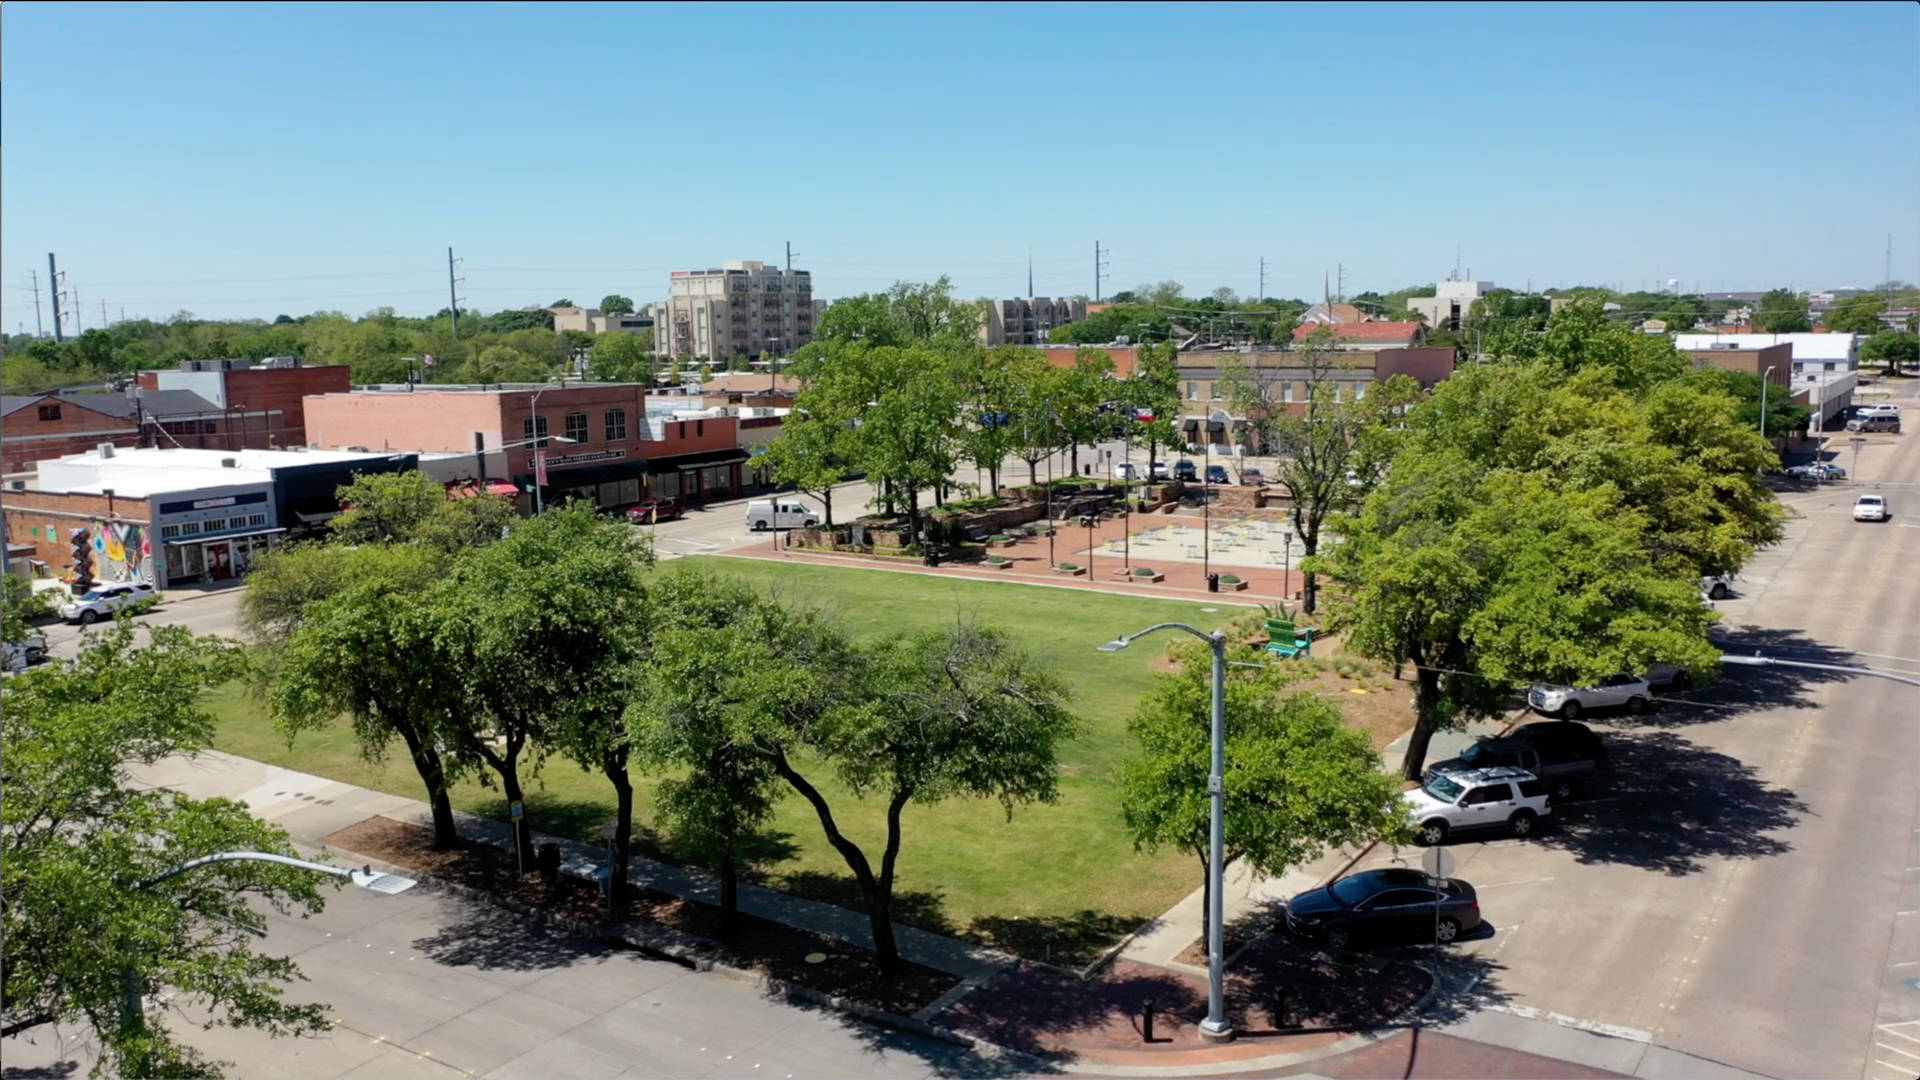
1215 1027
1764 379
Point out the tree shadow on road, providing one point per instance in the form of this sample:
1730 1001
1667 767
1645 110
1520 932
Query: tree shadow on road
480 935
1748 689
1669 804
1029 1007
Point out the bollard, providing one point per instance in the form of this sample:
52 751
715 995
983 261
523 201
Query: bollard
549 863
1146 1025
1213 582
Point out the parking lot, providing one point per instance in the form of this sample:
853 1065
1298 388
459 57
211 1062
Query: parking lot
1744 886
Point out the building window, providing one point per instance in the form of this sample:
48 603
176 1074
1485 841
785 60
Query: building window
699 428
188 528
213 525
1359 391
535 427
256 519
577 426
616 425
168 532
1193 391
1286 393
49 412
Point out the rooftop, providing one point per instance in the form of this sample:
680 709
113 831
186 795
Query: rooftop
154 403
1362 331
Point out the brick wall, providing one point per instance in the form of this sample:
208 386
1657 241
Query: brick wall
284 390
46 519
26 438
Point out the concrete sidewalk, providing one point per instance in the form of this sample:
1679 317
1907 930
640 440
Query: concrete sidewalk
311 808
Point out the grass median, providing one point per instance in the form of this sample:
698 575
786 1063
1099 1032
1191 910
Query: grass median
1055 882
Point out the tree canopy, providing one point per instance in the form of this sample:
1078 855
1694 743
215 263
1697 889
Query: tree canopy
1781 311
615 304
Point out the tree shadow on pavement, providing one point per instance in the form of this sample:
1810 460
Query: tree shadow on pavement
1028 1007
1070 940
481 935
58 1070
1281 984
1747 689
1669 803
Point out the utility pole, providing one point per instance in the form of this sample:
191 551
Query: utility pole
453 299
1340 282
1029 273
53 293
103 314
1263 278
75 294
38 332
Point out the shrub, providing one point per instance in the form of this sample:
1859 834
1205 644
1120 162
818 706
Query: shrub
1229 579
996 560
1066 566
1146 571
999 538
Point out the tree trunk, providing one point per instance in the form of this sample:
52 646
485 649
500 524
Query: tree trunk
877 894
729 895
1426 702
508 766
1206 904
913 515
615 766
1076 459
993 478
826 502
1033 471
1309 584
426 761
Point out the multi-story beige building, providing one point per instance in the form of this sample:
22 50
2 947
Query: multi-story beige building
741 309
1028 321
594 321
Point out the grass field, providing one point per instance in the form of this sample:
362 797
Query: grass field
1057 881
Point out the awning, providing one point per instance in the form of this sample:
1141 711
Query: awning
577 476
222 538
494 487
703 459
315 519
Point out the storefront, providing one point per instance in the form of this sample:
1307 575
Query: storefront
605 478
216 558
698 477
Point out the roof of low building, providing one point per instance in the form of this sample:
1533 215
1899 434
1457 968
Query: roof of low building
1362 331
155 403
750 383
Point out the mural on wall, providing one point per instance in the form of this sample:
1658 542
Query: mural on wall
121 552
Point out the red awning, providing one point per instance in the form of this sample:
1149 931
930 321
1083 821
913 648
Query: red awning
494 487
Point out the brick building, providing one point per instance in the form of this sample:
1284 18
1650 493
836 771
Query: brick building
273 390
624 446
1286 380
34 427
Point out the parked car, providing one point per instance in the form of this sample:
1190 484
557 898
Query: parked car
1252 478
1157 471
1878 408
1502 798
764 514
1870 508
1125 471
650 511
1561 752
1384 905
1183 470
1217 474
1669 677
1819 470
22 654
1875 422
1614 691
1716 586
102 601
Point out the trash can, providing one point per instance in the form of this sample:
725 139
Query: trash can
1213 582
932 557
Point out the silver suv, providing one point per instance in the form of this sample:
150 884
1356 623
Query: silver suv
1569 702
1504 797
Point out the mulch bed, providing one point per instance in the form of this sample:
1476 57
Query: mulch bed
773 949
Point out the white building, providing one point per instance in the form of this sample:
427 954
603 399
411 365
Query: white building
741 309
1826 367
1028 320
1450 303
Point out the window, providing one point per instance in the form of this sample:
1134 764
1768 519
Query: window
52 412
699 427
167 532
1396 898
256 519
213 524
616 420
1359 391
1533 789
188 528
1490 794
577 426
1286 392
535 427
1193 391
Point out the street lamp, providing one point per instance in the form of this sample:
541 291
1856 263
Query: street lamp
1764 378
133 1008
539 502
1087 520
1215 1027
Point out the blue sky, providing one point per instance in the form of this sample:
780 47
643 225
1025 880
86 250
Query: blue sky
241 160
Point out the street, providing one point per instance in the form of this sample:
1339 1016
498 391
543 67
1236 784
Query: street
431 986
1746 890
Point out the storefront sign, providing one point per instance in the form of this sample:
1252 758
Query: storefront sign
208 504
587 458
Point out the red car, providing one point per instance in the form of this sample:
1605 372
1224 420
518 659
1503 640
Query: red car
649 511
1252 478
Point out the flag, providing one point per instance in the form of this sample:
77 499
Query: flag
1144 416
540 467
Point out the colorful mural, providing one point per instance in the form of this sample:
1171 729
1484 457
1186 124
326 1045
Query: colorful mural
121 552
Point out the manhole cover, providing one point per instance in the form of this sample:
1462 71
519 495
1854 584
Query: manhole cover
816 958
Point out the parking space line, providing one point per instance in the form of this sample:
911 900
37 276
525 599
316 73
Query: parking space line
1900 1023
1897 1050
1521 881
1895 1068
1901 1035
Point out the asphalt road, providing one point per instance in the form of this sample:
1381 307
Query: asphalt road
1746 888
428 986
213 612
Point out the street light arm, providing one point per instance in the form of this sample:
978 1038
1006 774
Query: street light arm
1770 661
245 856
1128 639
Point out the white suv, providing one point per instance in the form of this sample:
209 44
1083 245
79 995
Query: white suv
103 600
1449 802
1870 508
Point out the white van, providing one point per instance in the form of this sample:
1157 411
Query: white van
764 514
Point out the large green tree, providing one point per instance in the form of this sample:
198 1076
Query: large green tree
1895 348
1298 781
1781 311
1857 314
619 357
615 304
77 838
411 507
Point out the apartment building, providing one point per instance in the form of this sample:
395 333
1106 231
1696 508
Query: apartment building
1288 382
1028 321
740 309
1450 303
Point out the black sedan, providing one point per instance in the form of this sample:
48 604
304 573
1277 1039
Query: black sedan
1384 906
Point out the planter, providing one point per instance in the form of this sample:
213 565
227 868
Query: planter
1234 586
1148 577
1070 569
1001 565
1001 542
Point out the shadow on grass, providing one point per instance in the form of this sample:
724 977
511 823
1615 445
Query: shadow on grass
480 935
925 910
1071 940
1669 804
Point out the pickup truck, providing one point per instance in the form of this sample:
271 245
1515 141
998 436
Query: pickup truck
1561 753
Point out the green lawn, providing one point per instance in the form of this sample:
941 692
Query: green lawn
1059 880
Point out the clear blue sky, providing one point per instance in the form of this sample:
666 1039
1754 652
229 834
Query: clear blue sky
247 159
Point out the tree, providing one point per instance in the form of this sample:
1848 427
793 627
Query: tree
19 604
1081 409
562 302
615 304
989 435
1154 390
78 836
725 666
621 358
813 452
922 719
597 613
367 651
1780 311
1895 347
410 507
908 312
1859 314
1297 780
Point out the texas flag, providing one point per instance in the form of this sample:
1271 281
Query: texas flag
1144 416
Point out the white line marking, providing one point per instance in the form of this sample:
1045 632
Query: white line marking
1897 1050
1901 1034
1902 1023
1895 1068
1911 911
1906 963
1521 881
1614 1031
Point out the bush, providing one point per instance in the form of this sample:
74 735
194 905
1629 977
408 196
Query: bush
985 502
996 560
1066 566
1229 579
999 538
1147 571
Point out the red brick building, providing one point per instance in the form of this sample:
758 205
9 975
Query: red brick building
267 398
617 455
38 427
